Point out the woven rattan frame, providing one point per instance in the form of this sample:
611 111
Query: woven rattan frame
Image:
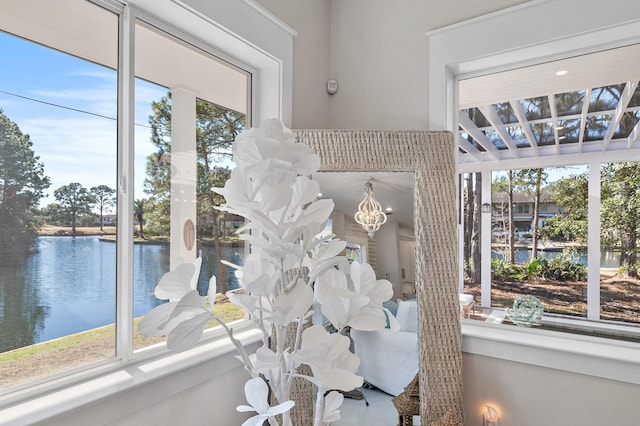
431 156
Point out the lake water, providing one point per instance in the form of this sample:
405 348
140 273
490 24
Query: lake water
69 284
608 259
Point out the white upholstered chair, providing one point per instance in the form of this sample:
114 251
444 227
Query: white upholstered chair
389 358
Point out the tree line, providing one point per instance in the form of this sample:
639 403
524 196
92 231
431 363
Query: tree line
24 182
619 206
75 204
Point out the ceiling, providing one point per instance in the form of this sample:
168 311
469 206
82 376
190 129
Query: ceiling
159 57
391 189
584 105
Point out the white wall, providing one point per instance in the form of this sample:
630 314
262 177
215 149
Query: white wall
203 395
311 52
378 55
387 250
534 396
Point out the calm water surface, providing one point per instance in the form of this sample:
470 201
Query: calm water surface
608 259
69 285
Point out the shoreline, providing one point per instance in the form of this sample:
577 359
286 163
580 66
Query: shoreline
81 231
108 235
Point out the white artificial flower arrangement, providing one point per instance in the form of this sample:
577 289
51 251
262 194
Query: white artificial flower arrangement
290 272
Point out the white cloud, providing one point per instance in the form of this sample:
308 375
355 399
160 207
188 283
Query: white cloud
75 150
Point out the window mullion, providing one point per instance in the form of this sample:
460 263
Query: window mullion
485 242
593 245
124 293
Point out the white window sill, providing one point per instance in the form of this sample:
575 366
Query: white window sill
594 356
34 405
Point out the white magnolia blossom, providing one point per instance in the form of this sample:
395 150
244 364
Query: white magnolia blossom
359 305
175 284
184 311
274 141
257 394
290 268
294 304
331 362
333 401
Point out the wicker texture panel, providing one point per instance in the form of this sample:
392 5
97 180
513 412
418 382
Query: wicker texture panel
431 156
303 392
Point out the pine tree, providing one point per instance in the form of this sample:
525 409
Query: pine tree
22 185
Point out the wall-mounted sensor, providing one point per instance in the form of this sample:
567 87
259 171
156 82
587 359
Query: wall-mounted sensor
332 87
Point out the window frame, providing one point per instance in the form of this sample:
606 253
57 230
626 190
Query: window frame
452 58
268 60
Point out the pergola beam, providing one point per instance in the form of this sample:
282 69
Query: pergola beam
473 130
554 120
623 103
469 148
526 127
583 118
492 116
634 136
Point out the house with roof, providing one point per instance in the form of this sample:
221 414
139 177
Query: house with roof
523 210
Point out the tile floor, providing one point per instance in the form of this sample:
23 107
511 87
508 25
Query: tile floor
379 412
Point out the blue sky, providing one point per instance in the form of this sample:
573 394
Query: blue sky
553 173
74 146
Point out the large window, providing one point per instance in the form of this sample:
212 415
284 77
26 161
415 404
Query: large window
545 254
58 139
64 297
452 59
563 229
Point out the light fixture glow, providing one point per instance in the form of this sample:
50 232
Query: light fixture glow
560 73
490 416
370 214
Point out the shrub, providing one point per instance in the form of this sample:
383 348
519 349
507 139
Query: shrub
505 271
565 267
536 267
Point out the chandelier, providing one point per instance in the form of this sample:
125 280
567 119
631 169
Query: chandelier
370 214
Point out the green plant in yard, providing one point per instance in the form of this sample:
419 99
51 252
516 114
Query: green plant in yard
536 267
501 270
565 267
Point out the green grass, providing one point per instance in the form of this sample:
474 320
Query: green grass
58 344
223 308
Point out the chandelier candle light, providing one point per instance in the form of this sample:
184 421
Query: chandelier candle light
370 214
292 273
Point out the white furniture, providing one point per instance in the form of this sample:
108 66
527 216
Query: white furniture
389 358
467 304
